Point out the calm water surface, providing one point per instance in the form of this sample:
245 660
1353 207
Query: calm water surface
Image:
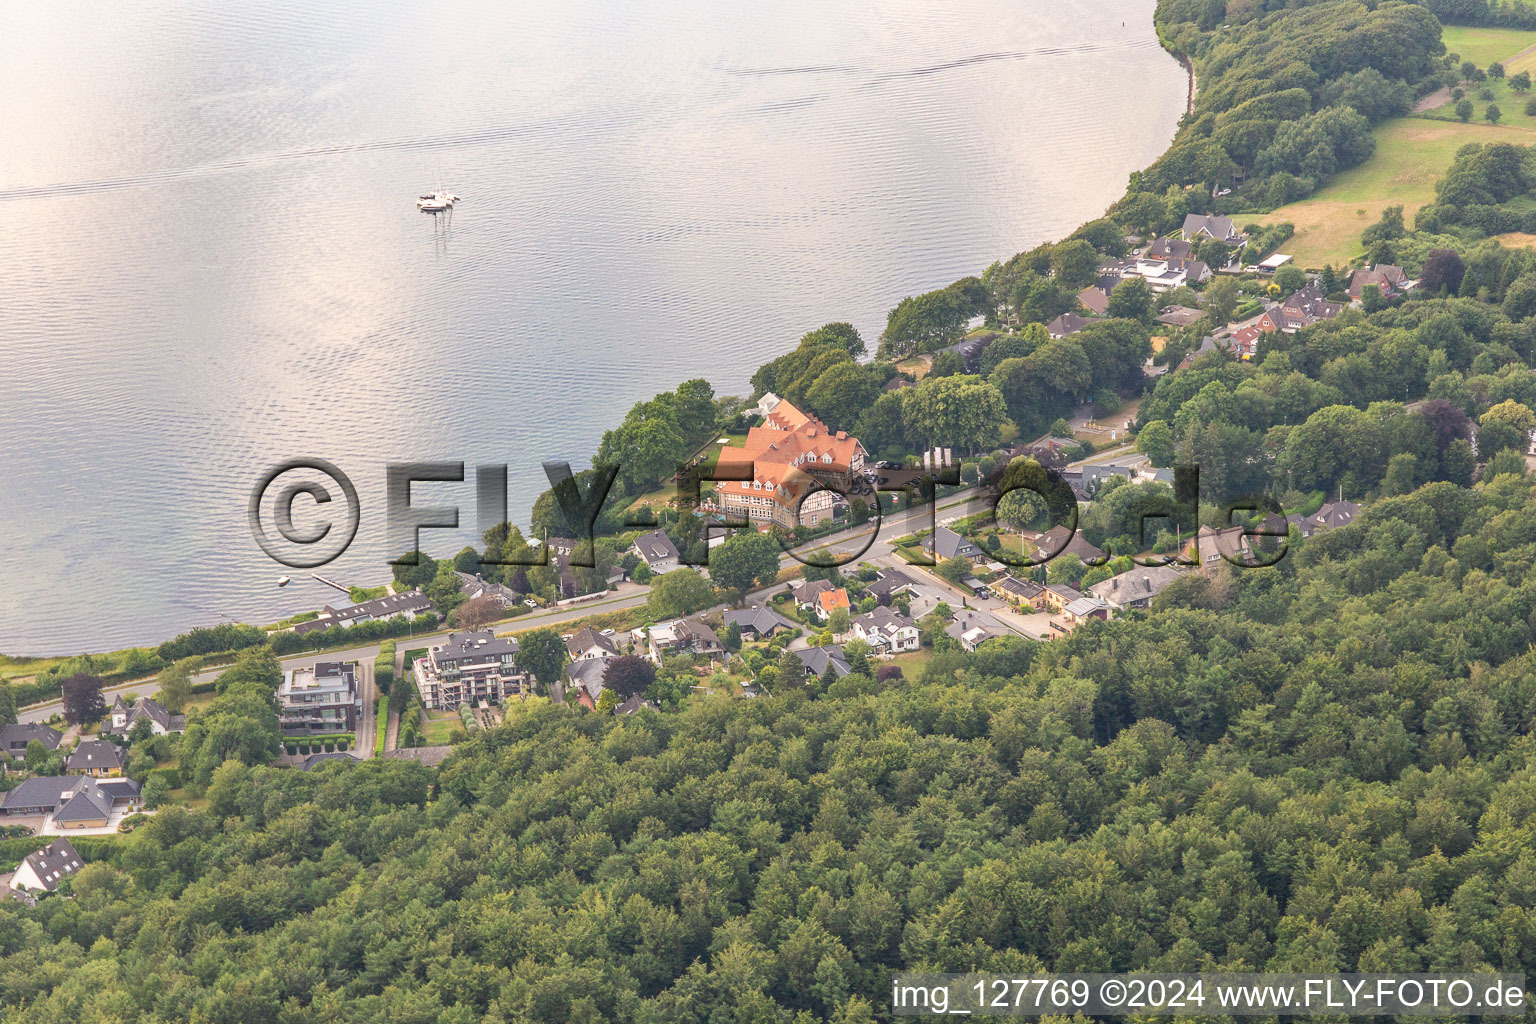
212 261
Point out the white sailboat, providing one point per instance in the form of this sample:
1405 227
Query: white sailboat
437 201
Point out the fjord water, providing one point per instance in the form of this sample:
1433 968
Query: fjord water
212 260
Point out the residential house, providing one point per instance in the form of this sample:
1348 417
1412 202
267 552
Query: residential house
320 699
1330 516
887 631
1136 588
586 681
1058 595
973 628
1177 248
1095 298
682 636
657 551
922 600
1197 226
15 737
816 660
1062 540
1084 608
123 716
1179 316
409 604
42 870
96 758
1067 324
470 669
890 583
587 643
944 543
807 593
1244 338
634 704
1306 306
473 585
1388 279
71 801
1019 593
829 601
758 623
797 468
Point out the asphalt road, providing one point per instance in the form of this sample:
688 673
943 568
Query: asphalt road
880 549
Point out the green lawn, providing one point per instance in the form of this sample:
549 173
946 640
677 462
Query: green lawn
1485 46
1511 105
440 725
1412 153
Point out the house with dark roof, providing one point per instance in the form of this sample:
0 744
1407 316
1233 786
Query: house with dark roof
1059 595
657 551
972 628
816 660
1168 246
1388 279
890 583
1019 593
1095 298
1067 324
944 543
758 623
1222 229
42 870
15 737
1306 306
96 758
470 669
634 704
71 801
1331 516
1179 316
682 636
1061 540
1136 588
807 592
887 631
585 680
587 643
123 716
473 585
410 604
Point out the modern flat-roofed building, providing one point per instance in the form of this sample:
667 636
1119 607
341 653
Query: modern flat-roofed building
470 668
320 699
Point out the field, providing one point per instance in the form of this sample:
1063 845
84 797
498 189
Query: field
1484 46
1412 153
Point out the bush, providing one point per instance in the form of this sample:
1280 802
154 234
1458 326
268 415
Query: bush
171 776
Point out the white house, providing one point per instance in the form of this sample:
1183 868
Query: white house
43 870
887 631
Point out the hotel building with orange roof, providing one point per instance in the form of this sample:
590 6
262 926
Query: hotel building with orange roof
798 468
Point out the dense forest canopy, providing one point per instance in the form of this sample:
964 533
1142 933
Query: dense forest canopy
1327 764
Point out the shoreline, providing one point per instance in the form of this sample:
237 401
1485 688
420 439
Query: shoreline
1189 102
